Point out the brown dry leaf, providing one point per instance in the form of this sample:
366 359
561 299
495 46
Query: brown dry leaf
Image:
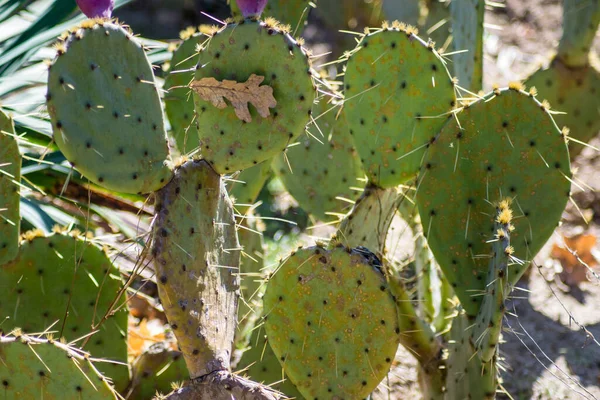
238 94
573 271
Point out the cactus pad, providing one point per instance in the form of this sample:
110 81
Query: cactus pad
573 91
334 161
235 53
197 258
105 110
290 12
55 274
10 177
398 95
467 33
507 145
332 322
260 364
580 24
245 187
179 104
34 368
155 370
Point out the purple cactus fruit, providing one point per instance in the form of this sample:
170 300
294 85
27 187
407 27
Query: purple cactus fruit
96 8
251 8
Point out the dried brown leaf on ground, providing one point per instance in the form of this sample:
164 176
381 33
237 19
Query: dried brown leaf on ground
580 246
239 95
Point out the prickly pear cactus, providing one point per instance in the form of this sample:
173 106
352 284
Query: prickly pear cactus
468 377
105 110
197 258
580 24
35 368
179 104
10 177
245 187
262 365
69 280
398 95
155 370
306 166
507 144
467 33
571 82
332 322
573 91
235 53
486 331
290 12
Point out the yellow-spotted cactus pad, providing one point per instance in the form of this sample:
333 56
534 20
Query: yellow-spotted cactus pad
332 322
235 53
574 92
327 154
10 176
105 110
179 104
245 187
398 95
507 145
69 280
34 368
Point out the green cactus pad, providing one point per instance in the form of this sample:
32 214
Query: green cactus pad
290 12
105 110
467 33
468 377
55 274
368 223
197 258
334 162
245 187
485 334
155 370
179 104
580 24
574 91
507 145
10 177
261 365
332 322
34 368
235 53
252 277
398 96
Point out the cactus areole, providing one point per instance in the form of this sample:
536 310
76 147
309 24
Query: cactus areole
251 8
96 8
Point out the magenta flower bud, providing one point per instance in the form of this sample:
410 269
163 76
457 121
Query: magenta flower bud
251 8
96 8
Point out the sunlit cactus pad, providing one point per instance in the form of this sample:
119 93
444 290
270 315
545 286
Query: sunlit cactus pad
507 145
327 154
289 12
332 322
105 110
398 95
574 92
60 277
10 177
179 104
235 53
35 368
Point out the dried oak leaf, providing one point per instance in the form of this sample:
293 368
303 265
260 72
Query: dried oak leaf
239 95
